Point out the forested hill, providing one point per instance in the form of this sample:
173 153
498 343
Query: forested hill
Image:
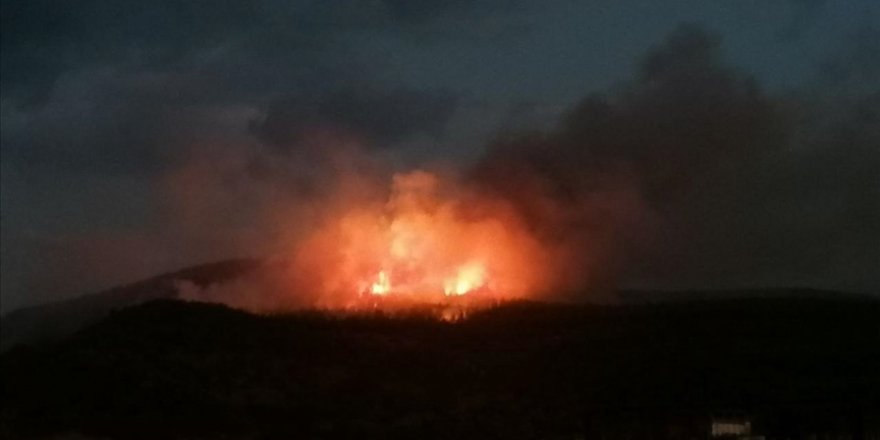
169 369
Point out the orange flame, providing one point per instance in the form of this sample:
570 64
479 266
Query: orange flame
381 286
469 278
428 241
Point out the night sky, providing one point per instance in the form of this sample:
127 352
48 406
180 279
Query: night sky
750 130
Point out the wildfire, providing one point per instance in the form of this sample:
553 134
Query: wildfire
466 279
381 286
426 242
469 278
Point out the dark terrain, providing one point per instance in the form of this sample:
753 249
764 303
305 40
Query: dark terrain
168 369
53 321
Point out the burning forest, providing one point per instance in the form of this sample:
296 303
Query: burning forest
433 219
428 242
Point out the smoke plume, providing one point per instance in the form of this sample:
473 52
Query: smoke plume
689 175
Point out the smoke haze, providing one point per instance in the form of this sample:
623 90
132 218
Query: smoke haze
696 169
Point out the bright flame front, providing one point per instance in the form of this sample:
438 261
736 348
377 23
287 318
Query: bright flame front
382 285
465 279
423 243
468 278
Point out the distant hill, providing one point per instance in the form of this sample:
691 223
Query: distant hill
655 296
52 321
168 369
59 319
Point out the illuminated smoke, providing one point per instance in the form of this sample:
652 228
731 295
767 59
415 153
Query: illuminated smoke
429 240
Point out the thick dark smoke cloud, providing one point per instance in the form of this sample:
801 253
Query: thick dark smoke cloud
154 135
733 188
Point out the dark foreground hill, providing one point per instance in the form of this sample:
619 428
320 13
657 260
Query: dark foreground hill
169 369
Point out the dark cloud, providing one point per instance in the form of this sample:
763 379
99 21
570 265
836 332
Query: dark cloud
685 118
44 39
805 15
110 123
855 68
722 179
733 190
379 117
424 10
115 88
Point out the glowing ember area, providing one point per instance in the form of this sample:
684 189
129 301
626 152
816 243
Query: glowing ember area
426 242
469 278
381 286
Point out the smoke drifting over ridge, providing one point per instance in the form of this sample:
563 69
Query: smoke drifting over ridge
685 127
688 175
673 180
726 183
